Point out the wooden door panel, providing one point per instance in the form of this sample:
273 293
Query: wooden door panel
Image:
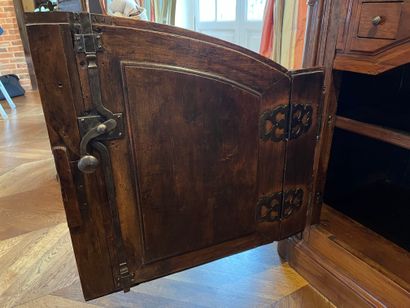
307 87
199 188
199 151
196 178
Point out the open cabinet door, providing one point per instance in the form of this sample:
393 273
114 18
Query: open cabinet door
172 148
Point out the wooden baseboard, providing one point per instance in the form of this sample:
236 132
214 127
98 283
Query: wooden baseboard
343 277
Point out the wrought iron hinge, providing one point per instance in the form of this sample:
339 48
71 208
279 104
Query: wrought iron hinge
86 40
97 125
278 206
318 198
88 43
286 122
100 123
126 279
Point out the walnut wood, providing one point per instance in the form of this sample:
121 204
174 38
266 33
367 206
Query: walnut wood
374 64
59 88
359 241
389 14
190 167
324 57
329 262
348 265
68 192
313 32
307 87
369 49
37 264
340 290
400 139
345 17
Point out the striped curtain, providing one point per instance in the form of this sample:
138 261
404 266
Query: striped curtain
283 33
163 11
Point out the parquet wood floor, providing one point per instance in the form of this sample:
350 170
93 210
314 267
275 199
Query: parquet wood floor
37 265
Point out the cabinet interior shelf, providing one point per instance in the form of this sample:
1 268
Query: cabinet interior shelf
397 138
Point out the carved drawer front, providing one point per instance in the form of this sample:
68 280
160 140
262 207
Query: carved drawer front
374 37
379 20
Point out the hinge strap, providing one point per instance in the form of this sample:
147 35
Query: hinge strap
125 278
286 122
97 125
279 206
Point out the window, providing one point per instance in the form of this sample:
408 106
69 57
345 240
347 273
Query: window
236 21
207 10
255 9
217 10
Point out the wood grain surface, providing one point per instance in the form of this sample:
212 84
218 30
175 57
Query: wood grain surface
190 168
348 263
373 49
37 265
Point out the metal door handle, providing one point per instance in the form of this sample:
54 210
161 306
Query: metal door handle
89 163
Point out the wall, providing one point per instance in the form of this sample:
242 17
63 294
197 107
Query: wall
12 59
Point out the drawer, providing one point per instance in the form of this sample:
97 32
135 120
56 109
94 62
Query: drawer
379 20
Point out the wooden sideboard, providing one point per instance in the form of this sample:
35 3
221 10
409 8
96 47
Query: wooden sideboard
356 250
177 149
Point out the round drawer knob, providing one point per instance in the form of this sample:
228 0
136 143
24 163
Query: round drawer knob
376 20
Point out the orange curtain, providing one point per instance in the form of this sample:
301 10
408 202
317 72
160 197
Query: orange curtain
152 12
300 34
283 32
267 30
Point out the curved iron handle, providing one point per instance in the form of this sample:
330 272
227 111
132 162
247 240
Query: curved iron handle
89 163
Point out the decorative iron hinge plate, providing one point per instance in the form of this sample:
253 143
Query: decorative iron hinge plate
87 122
86 40
126 279
286 122
96 126
278 206
90 42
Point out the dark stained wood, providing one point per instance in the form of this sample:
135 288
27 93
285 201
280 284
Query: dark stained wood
325 58
375 64
37 264
214 109
348 263
373 49
189 150
59 100
321 275
313 32
68 191
306 89
400 139
387 28
190 166
341 273
359 241
345 17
